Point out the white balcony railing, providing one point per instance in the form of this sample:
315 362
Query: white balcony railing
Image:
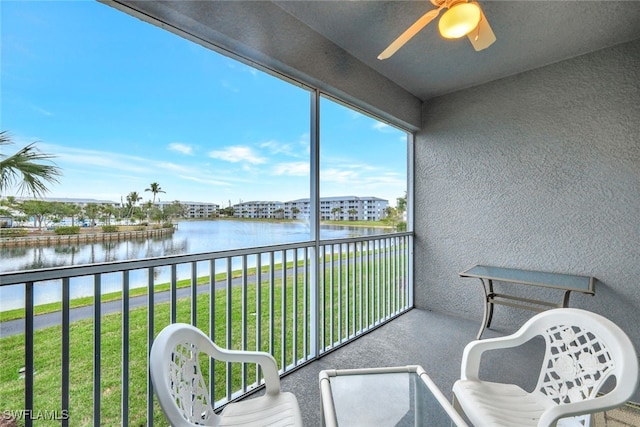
296 301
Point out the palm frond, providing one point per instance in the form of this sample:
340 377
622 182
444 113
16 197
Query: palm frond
25 168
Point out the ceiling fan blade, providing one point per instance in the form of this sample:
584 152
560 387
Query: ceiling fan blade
409 33
482 37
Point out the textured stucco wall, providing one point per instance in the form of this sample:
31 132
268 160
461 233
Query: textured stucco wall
540 171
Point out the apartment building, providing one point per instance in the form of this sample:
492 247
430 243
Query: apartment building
259 209
343 208
195 209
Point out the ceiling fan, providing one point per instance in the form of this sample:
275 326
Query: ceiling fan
462 18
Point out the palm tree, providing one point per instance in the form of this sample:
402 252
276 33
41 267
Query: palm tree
24 166
155 189
335 212
132 199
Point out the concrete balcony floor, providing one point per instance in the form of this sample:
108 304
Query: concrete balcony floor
421 337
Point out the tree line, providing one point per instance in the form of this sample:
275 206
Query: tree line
44 212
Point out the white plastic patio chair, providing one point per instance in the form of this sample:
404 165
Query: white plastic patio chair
184 396
583 350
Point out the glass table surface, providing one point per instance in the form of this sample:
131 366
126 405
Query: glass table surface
384 397
574 282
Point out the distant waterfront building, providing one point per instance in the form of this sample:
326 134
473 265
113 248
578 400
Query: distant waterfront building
192 209
344 208
259 209
195 209
83 203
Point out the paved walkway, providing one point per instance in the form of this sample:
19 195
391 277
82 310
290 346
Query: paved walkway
14 327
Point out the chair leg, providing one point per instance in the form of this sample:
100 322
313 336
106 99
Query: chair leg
457 407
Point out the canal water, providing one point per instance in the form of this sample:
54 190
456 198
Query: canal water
190 237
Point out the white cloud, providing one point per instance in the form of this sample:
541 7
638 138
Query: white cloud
204 180
236 154
42 111
292 169
100 159
382 127
276 147
338 175
240 67
297 149
181 148
173 167
227 85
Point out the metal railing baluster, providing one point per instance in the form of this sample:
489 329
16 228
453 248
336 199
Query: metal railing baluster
65 348
228 286
124 403
361 258
331 313
294 315
97 352
272 302
173 293
258 284
150 337
28 351
212 323
245 319
283 312
305 304
194 293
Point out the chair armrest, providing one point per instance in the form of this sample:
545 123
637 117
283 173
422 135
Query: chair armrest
473 352
551 416
265 360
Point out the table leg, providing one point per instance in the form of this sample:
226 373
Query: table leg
485 314
565 299
490 303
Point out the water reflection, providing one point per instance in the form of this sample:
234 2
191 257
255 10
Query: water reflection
190 237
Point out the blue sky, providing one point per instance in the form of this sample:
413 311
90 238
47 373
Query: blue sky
122 103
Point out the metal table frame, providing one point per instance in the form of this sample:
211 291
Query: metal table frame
329 416
565 282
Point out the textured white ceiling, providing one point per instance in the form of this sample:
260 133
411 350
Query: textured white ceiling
529 34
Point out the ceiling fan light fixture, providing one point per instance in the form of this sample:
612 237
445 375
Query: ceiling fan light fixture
459 20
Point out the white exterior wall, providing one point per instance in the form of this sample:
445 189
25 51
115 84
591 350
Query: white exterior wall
258 209
367 208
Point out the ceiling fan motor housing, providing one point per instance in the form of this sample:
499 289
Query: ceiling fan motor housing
459 20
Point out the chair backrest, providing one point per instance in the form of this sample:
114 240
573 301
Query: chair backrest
177 378
583 350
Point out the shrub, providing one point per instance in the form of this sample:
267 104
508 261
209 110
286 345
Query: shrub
167 225
13 232
68 230
109 228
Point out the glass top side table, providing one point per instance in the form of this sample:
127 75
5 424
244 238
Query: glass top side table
516 276
394 396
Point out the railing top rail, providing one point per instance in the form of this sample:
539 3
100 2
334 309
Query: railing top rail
19 277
